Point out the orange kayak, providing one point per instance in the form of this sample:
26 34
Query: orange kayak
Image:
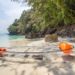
66 48
2 51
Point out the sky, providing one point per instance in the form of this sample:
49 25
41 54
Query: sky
9 11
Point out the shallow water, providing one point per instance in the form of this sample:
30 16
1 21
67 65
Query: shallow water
5 39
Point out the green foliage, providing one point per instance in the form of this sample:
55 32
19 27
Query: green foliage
13 30
44 14
55 11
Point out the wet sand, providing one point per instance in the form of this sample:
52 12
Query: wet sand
22 42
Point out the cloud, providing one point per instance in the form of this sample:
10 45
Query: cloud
9 11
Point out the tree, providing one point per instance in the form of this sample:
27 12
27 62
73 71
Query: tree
55 11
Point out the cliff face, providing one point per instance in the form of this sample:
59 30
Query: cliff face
63 31
68 31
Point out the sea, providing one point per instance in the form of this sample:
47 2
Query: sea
5 39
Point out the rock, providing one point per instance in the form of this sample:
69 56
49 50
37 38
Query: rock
51 38
32 35
71 39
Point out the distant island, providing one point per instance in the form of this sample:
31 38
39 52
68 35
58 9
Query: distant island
46 17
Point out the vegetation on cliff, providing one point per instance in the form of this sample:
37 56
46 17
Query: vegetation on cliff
45 17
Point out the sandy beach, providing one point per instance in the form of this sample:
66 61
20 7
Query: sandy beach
52 64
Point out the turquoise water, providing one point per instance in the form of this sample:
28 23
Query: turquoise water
5 39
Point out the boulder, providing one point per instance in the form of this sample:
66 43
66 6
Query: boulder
51 38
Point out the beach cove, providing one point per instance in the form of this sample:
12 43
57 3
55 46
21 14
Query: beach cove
54 65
